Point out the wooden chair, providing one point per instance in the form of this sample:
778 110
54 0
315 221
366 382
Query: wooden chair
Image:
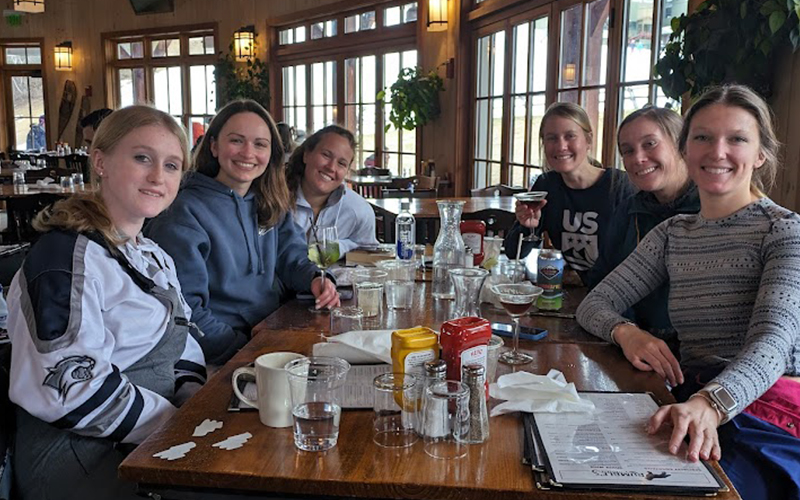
407 193
78 164
498 222
498 190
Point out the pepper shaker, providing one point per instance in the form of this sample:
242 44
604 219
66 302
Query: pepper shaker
474 376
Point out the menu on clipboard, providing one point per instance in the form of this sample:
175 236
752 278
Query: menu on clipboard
609 449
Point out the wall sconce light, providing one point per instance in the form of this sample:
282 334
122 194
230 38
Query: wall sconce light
243 43
30 6
64 56
437 15
569 73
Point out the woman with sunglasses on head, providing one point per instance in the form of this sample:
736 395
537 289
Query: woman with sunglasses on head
581 194
648 144
734 280
239 247
316 174
102 349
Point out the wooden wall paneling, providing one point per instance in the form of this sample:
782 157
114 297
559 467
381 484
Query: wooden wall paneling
784 190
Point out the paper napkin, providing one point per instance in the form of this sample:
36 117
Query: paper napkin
526 392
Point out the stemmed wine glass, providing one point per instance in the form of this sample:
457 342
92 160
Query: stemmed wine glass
533 199
517 299
323 249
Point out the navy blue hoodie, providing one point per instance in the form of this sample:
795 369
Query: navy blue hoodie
231 271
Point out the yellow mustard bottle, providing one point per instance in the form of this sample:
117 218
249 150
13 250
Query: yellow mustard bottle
412 347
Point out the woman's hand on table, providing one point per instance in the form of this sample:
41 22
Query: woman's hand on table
694 418
648 353
529 215
325 293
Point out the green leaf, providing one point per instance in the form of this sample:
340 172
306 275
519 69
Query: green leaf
769 7
776 20
794 37
743 10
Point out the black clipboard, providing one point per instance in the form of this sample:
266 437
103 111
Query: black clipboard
540 459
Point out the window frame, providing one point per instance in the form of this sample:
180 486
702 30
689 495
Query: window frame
149 63
8 139
378 41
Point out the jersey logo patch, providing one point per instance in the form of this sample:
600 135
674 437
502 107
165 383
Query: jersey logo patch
68 372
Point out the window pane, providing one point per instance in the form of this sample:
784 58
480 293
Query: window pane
285 37
367 134
352 78
517 133
159 48
202 89
21 97
596 43
482 70
498 63
209 44
536 113
410 12
137 50
330 28
288 85
34 55
479 180
540 54
352 24
167 90
16 55
482 129
568 96
123 51
368 79
173 47
663 101
196 46
494 174
638 50
570 45
391 16
670 9
521 55
125 87
594 102
317 84
22 128
391 70
198 127
368 20
317 31
497 129
300 34
300 86
633 98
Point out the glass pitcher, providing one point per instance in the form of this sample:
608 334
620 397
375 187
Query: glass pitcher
468 283
448 251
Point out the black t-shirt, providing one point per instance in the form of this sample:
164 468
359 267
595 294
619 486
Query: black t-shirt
575 219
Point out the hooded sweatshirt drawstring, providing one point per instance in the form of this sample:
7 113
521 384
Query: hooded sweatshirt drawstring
240 217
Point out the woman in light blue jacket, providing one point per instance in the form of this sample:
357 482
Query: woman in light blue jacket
235 243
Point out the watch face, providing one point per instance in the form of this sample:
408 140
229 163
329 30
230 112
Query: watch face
724 399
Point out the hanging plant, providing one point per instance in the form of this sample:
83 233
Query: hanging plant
727 41
248 80
414 98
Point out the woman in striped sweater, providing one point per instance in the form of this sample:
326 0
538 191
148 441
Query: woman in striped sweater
734 277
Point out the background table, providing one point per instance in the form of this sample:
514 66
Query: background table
357 467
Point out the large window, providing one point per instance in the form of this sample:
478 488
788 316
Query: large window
172 70
569 50
21 69
334 75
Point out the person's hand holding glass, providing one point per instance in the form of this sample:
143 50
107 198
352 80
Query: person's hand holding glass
323 250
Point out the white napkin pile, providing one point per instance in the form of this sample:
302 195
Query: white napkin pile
359 347
527 392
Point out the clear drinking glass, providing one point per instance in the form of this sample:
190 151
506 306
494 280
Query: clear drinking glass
66 182
323 250
448 251
516 299
467 283
395 410
77 179
369 290
346 319
399 285
316 386
18 179
445 419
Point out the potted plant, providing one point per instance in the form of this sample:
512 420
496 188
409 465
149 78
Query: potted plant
249 80
414 98
727 41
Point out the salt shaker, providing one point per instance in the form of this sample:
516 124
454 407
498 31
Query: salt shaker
475 378
435 371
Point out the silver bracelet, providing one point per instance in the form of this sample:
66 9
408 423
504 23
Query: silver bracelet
720 416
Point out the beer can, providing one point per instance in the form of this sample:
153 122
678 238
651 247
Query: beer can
550 273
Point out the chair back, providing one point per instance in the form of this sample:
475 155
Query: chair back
407 193
498 222
498 190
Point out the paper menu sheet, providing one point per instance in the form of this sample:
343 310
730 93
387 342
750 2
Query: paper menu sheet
611 448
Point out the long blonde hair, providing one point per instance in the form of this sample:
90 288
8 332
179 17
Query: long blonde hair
85 213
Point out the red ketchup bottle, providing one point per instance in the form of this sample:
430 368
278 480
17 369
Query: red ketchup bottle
464 342
472 232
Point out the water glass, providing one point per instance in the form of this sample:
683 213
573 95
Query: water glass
369 290
316 386
445 419
77 179
419 257
492 355
66 182
346 319
399 284
395 409
18 178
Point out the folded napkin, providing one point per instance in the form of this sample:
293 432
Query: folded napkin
527 392
358 347
45 181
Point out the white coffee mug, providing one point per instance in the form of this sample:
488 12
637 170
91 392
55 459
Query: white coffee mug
274 400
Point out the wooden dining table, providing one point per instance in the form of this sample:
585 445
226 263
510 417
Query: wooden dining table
426 212
269 464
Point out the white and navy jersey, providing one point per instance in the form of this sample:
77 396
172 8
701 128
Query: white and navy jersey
77 321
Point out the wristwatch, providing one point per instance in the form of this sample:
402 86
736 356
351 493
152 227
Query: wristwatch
722 398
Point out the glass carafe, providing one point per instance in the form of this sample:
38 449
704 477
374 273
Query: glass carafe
468 283
448 251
